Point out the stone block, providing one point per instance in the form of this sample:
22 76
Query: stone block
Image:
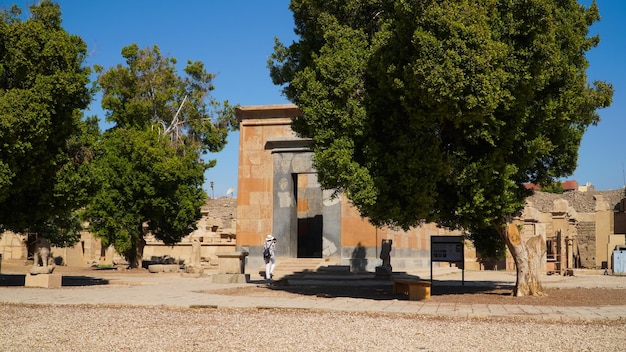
164 268
43 280
417 290
230 278
194 269
231 262
16 252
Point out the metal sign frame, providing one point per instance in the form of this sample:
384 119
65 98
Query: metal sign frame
447 249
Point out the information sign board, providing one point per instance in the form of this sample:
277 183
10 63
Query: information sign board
447 249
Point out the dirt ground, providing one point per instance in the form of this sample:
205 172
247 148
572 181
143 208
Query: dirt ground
442 292
445 294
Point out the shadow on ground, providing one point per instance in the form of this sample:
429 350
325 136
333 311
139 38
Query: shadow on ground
12 280
69 280
83 281
367 286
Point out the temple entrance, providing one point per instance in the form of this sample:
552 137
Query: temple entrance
306 222
308 195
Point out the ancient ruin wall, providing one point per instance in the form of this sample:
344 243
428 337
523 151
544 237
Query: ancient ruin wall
586 231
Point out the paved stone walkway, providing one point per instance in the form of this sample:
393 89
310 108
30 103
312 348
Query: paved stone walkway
173 290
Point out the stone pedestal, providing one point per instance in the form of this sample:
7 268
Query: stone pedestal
43 280
231 262
231 268
383 273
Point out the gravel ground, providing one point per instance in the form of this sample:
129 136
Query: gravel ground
91 328
25 327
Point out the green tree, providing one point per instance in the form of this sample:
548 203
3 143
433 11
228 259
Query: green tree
45 149
442 110
554 187
149 165
489 244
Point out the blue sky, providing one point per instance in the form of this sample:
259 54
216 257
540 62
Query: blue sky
235 37
602 154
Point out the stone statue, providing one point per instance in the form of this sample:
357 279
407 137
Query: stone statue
195 264
385 254
195 252
42 254
384 271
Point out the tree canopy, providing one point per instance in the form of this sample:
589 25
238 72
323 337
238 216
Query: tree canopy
440 110
149 165
45 149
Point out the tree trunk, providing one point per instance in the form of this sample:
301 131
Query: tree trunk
135 260
528 260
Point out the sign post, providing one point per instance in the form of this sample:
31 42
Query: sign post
447 249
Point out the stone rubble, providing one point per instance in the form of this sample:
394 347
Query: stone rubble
582 202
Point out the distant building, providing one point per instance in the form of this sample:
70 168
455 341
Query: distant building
588 187
571 185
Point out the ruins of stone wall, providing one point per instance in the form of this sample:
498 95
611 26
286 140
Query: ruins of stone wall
586 236
215 231
12 246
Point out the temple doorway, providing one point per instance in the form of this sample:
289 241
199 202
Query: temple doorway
309 209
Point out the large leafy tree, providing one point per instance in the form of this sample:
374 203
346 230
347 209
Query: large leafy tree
45 145
149 164
442 110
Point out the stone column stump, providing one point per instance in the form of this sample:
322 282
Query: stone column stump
231 268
